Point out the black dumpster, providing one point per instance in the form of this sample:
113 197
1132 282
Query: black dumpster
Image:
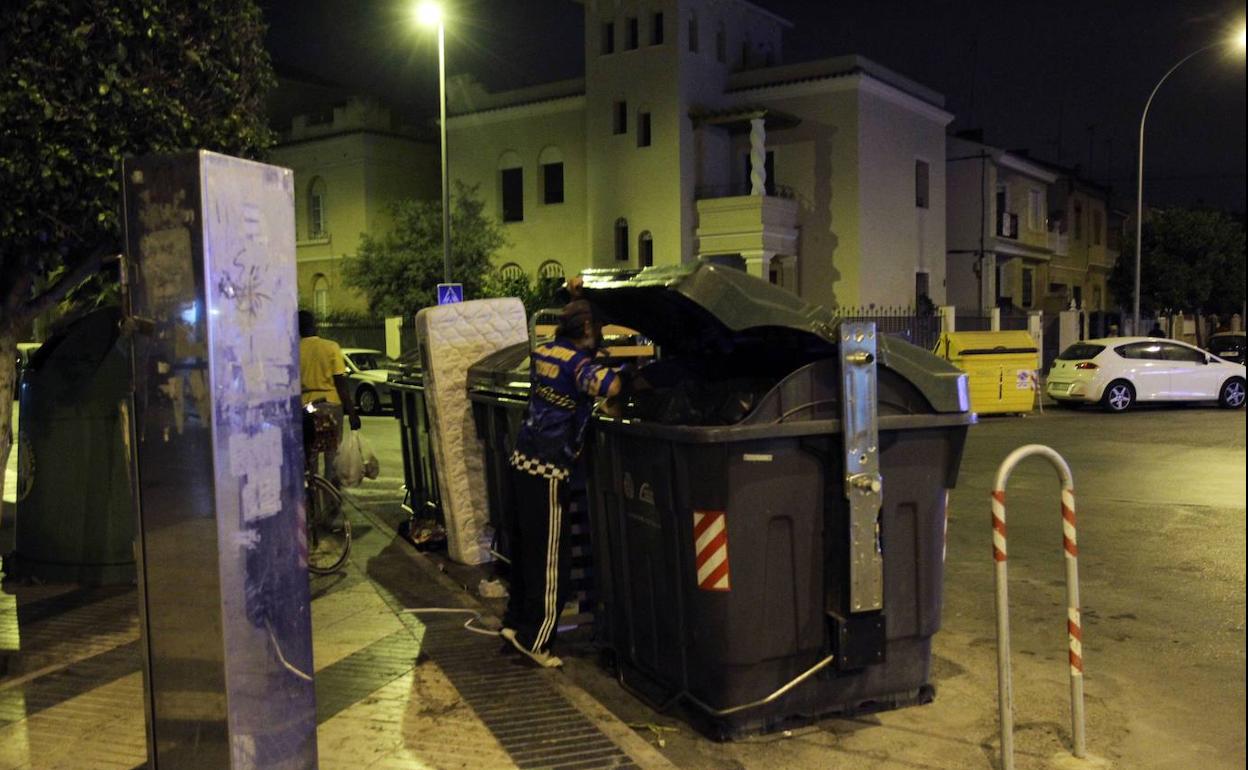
420 476
741 570
75 521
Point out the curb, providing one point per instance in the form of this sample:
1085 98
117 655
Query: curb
620 733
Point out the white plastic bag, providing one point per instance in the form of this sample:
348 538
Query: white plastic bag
372 467
349 464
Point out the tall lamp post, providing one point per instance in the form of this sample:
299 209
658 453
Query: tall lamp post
1237 40
429 14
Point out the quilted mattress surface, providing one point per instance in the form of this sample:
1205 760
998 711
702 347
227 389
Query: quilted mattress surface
453 338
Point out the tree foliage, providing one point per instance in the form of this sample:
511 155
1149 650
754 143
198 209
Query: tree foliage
85 83
536 294
399 270
1191 260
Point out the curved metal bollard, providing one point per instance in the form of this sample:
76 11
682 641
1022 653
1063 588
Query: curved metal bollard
1074 629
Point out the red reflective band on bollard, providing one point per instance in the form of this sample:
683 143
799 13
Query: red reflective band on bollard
710 540
998 525
1068 522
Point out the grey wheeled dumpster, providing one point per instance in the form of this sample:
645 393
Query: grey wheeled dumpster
75 521
769 519
420 476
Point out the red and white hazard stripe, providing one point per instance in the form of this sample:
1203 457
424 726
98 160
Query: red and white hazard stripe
998 525
710 539
1070 544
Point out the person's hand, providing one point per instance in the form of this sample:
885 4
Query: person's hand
354 421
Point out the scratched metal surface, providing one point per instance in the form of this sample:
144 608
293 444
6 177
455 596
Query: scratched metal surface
224 591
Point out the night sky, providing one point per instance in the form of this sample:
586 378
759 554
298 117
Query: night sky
1066 79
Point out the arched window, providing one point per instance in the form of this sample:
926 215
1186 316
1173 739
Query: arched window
645 249
550 269
320 295
511 178
316 208
621 240
511 272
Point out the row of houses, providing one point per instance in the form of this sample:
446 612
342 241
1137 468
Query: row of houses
688 138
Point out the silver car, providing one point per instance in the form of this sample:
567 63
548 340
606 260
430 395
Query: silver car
369 373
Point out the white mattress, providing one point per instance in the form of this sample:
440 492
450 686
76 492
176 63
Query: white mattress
453 338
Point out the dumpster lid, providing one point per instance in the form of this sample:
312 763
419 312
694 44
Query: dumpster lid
957 344
701 308
689 306
505 371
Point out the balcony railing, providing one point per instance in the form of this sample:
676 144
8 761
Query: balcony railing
1007 225
708 191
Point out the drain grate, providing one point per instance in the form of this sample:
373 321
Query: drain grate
534 722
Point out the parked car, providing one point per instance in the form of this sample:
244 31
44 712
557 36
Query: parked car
369 373
24 351
1119 371
1228 346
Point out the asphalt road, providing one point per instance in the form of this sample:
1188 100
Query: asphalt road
1160 495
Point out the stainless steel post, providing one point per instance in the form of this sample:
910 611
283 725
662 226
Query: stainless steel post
1074 627
218 462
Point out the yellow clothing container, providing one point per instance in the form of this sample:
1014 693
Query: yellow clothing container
1002 368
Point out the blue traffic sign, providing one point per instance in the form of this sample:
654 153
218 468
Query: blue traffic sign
450 293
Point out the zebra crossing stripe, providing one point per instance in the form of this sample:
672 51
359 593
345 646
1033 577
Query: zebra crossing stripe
710 536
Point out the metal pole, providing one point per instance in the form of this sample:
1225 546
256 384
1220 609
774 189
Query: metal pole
1005 696
1139 182
1074 627
446 184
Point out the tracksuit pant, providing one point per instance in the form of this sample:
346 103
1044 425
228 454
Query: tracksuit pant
540 558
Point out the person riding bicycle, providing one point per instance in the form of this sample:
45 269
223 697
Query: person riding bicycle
323 385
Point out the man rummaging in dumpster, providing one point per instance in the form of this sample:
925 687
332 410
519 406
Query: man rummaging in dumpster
565 382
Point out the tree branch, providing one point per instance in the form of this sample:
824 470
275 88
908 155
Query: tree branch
21 312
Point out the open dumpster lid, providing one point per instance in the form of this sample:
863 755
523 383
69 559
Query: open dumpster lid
680 305
701 309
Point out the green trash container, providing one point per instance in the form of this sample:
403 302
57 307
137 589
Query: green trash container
75 524
731 563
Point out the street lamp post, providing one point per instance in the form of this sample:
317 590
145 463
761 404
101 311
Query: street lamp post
430 14
1139 173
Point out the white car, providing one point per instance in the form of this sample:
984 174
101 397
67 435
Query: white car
369 373
1119 371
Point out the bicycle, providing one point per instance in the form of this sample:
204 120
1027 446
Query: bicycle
327 527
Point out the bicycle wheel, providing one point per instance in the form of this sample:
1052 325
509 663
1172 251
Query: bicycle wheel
329 531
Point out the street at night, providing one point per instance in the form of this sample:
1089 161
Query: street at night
622 384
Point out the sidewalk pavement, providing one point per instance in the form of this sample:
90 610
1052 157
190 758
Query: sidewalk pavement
394 689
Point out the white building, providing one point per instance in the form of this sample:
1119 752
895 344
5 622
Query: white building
687 139
351 162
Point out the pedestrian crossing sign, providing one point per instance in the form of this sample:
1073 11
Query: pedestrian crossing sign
450 293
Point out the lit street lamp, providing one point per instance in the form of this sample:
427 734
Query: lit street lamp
429 14
1236 41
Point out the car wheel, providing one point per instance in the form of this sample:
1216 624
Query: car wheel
366 400
1232 394
1119 396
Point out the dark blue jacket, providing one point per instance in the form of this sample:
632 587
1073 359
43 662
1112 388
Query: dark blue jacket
564 381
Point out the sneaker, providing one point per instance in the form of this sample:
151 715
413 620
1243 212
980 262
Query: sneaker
543 659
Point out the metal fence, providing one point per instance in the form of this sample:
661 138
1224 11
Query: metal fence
913 326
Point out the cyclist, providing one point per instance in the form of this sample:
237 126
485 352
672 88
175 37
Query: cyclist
323 383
